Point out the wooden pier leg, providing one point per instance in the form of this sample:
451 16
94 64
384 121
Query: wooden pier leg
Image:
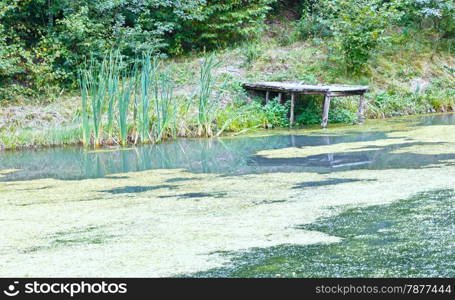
325 111
291 114
362 108
267 96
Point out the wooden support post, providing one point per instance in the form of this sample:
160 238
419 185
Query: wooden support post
280 97
362 108
291 113
267 96
325 111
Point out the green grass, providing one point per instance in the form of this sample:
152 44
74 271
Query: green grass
30 138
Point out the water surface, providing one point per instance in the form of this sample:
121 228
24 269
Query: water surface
230 155
371 200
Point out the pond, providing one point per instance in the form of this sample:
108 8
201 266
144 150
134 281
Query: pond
372 200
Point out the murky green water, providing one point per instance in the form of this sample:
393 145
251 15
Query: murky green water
371 200
230 155
412 237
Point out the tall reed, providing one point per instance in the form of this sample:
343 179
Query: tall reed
206 104
165 108
109 91
94 83
128 89
113 78
148 89
86 132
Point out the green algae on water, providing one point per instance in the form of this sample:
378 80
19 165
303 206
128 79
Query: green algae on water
438 139
142 233
413 237
178 208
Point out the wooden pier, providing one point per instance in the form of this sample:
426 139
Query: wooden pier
328 91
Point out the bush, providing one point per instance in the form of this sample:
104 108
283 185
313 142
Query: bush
310 112
313 24
359 28
224 22
251 52
276 113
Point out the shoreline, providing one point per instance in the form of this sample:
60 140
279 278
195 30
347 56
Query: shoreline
252 131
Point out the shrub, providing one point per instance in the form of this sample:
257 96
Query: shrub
310 112
359 28
251 52
276 113
225 21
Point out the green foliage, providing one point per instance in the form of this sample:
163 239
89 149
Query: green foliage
437 15
359 28
436 98
314 22
309 113
148 88
124 98
251 52
43 43
227 21
342 115
274 113
240 115
165 109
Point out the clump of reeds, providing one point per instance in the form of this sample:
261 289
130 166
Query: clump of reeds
207 104
93 86
107 92
165 109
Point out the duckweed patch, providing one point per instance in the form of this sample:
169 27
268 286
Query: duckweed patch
413 237
90 235
214 198
142 234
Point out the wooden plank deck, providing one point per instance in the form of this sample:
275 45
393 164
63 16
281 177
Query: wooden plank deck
327 90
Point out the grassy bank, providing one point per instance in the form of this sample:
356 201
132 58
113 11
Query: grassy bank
409 76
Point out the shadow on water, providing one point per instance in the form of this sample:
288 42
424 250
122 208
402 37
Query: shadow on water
197 195
138 189
409 238
331 181
226 156
379 159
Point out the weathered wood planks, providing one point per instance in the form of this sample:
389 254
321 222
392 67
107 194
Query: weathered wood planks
327 90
